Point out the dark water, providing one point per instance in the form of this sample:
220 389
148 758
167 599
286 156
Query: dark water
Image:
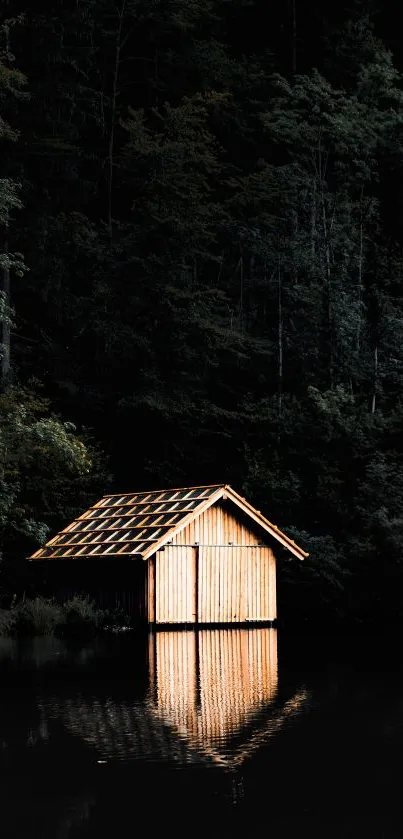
241 732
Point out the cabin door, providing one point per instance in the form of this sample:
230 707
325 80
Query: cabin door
234 584
220 597
176 584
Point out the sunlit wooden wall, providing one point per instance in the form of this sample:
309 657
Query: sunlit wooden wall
215 571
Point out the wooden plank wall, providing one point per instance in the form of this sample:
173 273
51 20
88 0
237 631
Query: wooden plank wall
218 526
230 577
175 585
236 585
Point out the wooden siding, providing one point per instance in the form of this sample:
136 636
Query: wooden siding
176 585
216 571
236 585
151 581
218 525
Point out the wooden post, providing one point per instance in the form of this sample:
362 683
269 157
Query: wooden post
196 604
151 589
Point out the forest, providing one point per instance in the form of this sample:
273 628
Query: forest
201 258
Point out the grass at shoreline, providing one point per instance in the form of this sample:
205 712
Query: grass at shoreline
78 617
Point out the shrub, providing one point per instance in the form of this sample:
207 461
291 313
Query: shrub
113 619
7 621
80 618
77 618
36 617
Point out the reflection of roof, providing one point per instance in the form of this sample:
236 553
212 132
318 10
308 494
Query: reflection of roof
138 524
119 730
130 731
212 699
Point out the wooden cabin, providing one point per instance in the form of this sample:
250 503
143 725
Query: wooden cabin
195 556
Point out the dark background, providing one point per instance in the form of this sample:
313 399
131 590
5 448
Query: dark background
212 226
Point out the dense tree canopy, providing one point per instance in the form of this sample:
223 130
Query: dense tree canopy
202 252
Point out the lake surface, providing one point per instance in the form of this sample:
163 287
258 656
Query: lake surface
220 732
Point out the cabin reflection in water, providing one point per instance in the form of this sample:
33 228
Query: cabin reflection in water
213 697
209 684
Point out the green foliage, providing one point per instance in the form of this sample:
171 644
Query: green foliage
113 619
77 618
12 82
35 617
315 588
44 466
7 621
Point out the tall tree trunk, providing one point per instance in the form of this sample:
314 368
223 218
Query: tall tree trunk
280 340
111 149
294 228
294 213
375 384
156 70
6 326
313 221
359 277
294 37
241 319
329 302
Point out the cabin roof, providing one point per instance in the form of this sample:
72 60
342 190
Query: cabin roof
135 525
